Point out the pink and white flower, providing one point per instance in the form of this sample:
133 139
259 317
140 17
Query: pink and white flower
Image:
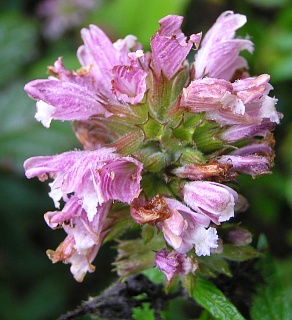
218 56
169 46
95 176
172 262
84 237
215 200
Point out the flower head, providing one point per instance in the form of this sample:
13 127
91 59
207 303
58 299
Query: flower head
161 136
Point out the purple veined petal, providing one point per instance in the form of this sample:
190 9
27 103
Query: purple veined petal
252 164
129 83
175 205
239 64
238 132
123 47
167 264
81 77
169 46
102 55
218 55
205 94
173 229
215 200
255 148
94 176
63 101
250 89
172 262
98 51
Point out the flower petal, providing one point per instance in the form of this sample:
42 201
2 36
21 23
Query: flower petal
172 262
215 200
63 101
94 176
129 83
218 55
169 46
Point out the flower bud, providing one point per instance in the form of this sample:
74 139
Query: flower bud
239 237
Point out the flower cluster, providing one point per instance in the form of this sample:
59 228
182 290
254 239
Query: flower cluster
163 136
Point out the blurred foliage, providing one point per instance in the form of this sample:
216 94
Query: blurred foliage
31 287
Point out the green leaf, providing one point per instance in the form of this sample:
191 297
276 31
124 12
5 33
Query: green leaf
189 282
214 301
148 232
21 136
235 253
212 265
144 312
270 303
18 36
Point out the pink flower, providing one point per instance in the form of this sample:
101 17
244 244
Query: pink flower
183 228
239 132
62 100
169 46
84 237
110 76
251 164
215 200
218 56
242 102
101 55
128 83
187 229
94 176
172 262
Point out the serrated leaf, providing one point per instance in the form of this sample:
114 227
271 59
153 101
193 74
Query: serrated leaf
21 136
144 312
214 301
